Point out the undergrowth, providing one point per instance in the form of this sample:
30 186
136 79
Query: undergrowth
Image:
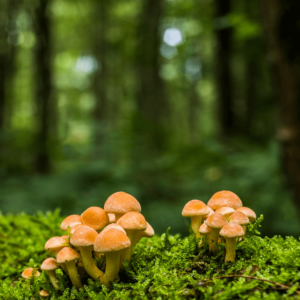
164 267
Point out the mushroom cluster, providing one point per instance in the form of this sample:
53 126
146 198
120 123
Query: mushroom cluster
224 215
113 231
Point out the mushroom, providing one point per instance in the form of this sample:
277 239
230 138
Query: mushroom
44 294
248 212
215 221
68 256
75 227
84 238
50 265
112 218
70 221
240 218
230 232
205 231
111 242
121 203
131 222
54 245
114 225
94 217
224 198
195 209
28 273
225 211
148 233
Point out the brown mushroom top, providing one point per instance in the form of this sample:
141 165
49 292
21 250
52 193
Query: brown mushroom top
55 243
67 254
232 230
111 240
49 264
149 232
70 221
239 218
226 211
133 221
195 208
28 273
216 220
121 203
94 217
44 293
83 236
204 229
224 198
111 218
248 212
210 212
114 225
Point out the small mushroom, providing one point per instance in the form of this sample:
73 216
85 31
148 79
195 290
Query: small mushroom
68 256
224 198
249 213
230 232
84 238
225 211
121 203
215 221
111 242
70 221
50 265
205 231
44 294
95 217
28 273
131 222
195 209
240 218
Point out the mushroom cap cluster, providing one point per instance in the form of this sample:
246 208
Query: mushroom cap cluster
223 215
113 231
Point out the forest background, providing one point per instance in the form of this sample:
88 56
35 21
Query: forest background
168 100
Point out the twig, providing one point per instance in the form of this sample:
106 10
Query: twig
257 278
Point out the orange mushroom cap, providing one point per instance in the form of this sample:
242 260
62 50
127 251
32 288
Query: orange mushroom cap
67 254
49 264
121 203
54 243
224 198
226 211
111 240
216 220
114 225
94 217
239 218
248 212
195 208
133 221
83 236
70 221
28 273
232 230
204 229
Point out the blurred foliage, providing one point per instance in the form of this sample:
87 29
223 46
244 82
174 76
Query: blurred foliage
163 267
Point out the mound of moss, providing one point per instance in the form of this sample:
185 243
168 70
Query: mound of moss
165 267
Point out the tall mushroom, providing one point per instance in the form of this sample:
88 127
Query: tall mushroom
95 217
111 242
230 232
121 203
240 218
195 209
50 265
84 238
215 221
224 198
68 256
28 273
131 222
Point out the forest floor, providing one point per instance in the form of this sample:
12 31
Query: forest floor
164 267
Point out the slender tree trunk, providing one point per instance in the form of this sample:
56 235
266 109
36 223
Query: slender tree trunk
281 23
193 115
44 99
100 78
152 102
223 57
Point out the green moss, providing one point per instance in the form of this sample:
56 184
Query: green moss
166 267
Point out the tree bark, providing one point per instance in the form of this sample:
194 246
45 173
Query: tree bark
44 88
281 24
152 104
100 78
223 57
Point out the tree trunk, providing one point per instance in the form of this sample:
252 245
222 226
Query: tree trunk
281 23
43 86
152 103
223 57
100 78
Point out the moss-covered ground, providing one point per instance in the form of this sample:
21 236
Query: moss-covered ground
164 267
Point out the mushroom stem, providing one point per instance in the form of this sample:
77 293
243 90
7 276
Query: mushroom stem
126 253
230 249
28 284
73 274
53 279
63 266
214 238
118 216
244 227
112 267
196 222
88 263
